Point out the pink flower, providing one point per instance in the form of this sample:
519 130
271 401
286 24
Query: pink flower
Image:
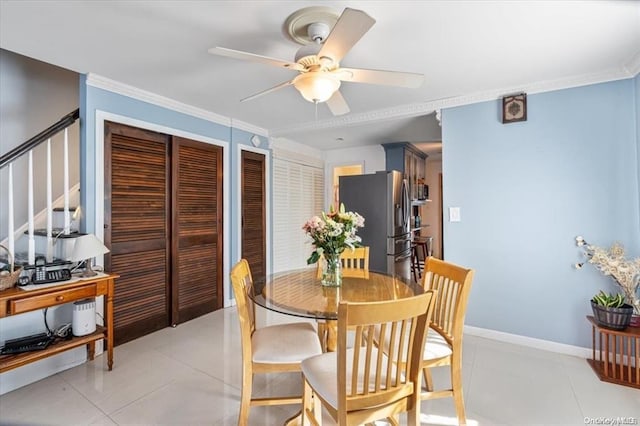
333 232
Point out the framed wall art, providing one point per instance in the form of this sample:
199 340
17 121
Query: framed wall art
514 108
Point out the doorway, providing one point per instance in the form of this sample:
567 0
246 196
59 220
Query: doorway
163 224
342 170
253 219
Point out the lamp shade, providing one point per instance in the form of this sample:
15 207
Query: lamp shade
316 86
87 247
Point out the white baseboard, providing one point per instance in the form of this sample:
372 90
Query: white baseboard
515 339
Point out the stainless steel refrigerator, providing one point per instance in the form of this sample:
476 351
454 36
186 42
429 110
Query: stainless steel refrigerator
382 199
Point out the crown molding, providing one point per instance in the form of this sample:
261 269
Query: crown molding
424 108
250 128
633 66
105 83
402 111
155 99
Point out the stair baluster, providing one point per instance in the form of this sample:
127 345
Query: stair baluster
49 205
67 219
53 254
32 240
11 226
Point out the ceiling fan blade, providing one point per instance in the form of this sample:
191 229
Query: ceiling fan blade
349 28
337 105
246 56
388 78
264 92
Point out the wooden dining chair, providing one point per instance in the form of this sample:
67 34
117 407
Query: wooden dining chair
452 284
272 349
355 263
361 384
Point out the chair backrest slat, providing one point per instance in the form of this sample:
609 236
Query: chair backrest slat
375 375
355 263
453 285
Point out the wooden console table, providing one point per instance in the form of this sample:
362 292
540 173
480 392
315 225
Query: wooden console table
15 301
618 359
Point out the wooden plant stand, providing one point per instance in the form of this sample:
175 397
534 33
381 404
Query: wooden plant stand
618 354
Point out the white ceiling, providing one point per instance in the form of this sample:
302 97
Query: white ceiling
469 51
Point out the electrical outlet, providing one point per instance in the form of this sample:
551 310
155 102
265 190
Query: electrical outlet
454 214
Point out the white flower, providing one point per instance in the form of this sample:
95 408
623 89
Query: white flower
332 232
611 262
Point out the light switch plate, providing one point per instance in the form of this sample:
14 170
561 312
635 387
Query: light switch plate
454 214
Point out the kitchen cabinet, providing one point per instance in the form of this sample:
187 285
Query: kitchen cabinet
409 160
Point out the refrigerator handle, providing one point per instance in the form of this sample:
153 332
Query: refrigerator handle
405 204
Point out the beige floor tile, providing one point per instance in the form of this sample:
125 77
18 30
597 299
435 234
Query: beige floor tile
190 375
50 401
190 399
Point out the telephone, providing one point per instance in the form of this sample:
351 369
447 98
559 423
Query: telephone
42 276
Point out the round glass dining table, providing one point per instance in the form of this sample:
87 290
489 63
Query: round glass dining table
300 293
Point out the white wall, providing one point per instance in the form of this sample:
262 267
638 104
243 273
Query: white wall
372 157
431 211
33 96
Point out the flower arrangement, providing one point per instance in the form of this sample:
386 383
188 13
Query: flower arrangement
612 262
333 232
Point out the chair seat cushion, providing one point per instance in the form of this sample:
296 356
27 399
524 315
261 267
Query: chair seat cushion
436 346
285 343
321 372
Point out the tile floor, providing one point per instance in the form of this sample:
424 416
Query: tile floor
190 375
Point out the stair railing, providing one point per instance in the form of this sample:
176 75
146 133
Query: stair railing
27 148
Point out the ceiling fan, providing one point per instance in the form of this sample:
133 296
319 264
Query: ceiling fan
317 61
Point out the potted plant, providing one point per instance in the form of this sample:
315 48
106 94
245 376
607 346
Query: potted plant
610 311
624 272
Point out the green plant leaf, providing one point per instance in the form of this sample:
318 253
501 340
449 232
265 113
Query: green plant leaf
315 256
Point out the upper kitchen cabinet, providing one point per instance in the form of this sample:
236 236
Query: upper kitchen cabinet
409 160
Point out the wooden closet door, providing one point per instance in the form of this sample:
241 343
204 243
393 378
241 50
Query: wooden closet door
197 229
137 203
254 213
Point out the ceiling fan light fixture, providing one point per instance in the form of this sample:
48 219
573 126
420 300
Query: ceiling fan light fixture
307 55
316 86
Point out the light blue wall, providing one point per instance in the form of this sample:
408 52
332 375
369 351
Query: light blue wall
93 99
636 82
526 190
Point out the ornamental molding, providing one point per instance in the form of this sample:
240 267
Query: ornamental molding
633 66
133 92
630 69
424 108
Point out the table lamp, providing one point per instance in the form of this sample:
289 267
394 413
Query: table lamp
86 248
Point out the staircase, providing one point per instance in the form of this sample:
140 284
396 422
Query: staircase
51 232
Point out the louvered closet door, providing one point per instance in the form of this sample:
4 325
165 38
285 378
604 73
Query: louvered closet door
253 213
197 229
136 228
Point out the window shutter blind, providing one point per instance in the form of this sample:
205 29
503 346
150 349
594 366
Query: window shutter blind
298 194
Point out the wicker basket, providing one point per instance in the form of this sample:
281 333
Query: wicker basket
9 280
613 318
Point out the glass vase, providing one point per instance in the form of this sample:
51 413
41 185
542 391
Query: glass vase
331 271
